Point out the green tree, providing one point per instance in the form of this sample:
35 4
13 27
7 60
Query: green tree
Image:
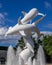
21 43
48 45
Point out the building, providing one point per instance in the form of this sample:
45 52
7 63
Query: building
3 54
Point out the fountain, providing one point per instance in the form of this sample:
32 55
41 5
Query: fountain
35 61
30 61
41 56
17 54
10 56
23 28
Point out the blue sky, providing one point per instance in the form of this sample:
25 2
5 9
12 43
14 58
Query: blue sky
10 10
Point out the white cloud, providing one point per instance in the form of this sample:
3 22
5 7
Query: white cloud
46 33
12 39
8 41
2 19
1 15
3 30
47 5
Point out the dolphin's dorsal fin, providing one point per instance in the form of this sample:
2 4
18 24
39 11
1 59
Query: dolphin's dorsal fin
19 20
39 20
24 13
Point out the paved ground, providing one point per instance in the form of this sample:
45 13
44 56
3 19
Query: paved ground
48 64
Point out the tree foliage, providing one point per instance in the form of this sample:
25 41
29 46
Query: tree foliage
21 43
48 44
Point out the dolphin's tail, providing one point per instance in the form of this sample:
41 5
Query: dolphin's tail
39 20
41 14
